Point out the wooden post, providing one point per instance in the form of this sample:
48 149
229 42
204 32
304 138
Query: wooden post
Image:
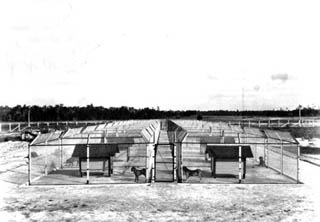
154 161
259 123
45 160
61 161
281 157
240 160
88 161
298 166
178 160
29 164
267 153
9 127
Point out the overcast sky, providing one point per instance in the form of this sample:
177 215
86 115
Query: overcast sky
172 54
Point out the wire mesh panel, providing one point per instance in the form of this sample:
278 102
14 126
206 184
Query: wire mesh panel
122 152
127 165
55 165
194 157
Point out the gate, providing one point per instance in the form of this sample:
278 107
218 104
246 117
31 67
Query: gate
164 163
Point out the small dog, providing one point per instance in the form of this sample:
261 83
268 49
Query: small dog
138 172
190 173
71 161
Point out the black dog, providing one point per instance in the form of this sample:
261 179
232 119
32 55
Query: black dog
138 172
190 173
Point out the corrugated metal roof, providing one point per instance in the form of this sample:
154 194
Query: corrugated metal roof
229 152
95 150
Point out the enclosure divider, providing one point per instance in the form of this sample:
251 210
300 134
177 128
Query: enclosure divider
29 164
61 165
298 166
88 156
240 167
268 152
281 156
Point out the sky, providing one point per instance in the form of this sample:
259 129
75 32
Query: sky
204 55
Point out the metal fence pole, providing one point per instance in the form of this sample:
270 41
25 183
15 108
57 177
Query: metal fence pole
45 160
298 166
240 160
61 165
29 164
88 157
267 161
281 157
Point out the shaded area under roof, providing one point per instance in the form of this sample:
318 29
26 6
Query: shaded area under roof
96 150
217 139
229 152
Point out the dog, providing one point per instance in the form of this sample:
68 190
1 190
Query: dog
71 161
188 173
138 172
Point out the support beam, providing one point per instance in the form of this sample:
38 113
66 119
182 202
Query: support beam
29 164
298 166
61 154
281 157
88 157
240 160
178 161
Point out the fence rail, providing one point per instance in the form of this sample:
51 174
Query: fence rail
279 123
9 127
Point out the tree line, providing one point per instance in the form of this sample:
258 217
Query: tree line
90 112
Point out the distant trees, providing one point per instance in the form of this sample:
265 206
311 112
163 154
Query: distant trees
90 112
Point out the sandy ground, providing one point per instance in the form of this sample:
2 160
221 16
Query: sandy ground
158 202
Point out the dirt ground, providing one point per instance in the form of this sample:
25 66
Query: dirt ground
162 202
158 202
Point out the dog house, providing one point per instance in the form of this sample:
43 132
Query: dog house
222 153
100 157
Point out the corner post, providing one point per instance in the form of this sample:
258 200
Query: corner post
281 157
29 164
240 159
61 155
298 166
88 157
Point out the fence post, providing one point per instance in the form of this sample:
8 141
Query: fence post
29 164
240 160
9 127
178 158
298 166
46 160
61 165
281 157
267 153
88 157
